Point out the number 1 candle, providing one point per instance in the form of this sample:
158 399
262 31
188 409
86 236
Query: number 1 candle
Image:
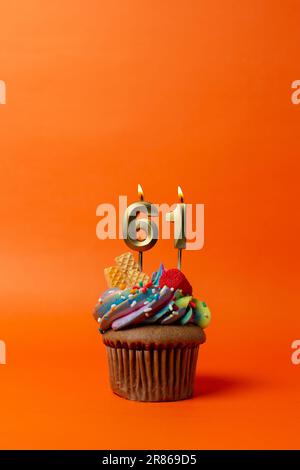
178 217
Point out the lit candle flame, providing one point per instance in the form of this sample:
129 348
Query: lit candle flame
140 192
180 194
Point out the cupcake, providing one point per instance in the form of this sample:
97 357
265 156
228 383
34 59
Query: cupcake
152 330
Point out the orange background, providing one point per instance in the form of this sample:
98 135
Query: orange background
102 95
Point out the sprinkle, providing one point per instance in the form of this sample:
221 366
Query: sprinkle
141 283
146 302
113 307
133 291
135 287
110 291
144 290
192 304
171 307
149 284
172 289
123 297
153 291
99 320
133 303
100 300
130 296
148 309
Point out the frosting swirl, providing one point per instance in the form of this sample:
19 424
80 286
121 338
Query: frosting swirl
152 303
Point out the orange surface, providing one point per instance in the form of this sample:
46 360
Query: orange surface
101 96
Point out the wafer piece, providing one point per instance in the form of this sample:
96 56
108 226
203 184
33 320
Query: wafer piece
126 262
115 277
135 276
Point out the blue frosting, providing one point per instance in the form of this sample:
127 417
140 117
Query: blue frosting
157 275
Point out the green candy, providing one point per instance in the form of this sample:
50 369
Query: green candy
183 302
178 294
202 314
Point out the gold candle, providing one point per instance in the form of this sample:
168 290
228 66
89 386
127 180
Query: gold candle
132 225
178 217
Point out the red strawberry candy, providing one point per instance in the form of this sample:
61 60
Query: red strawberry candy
176 279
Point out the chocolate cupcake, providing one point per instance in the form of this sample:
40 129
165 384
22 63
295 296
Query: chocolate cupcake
152 332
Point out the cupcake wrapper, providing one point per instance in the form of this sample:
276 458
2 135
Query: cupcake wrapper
153 375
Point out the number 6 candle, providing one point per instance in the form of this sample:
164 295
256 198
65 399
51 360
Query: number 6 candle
132 225
178 216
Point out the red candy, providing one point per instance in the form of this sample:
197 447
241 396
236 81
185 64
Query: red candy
175 278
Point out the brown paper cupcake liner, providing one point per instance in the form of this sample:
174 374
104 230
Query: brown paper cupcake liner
153 375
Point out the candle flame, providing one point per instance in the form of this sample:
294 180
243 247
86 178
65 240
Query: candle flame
180 194
140 192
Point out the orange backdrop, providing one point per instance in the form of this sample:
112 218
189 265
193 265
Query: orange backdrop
102 95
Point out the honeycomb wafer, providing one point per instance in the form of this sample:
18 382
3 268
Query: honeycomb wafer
135 276
126 262
115 277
